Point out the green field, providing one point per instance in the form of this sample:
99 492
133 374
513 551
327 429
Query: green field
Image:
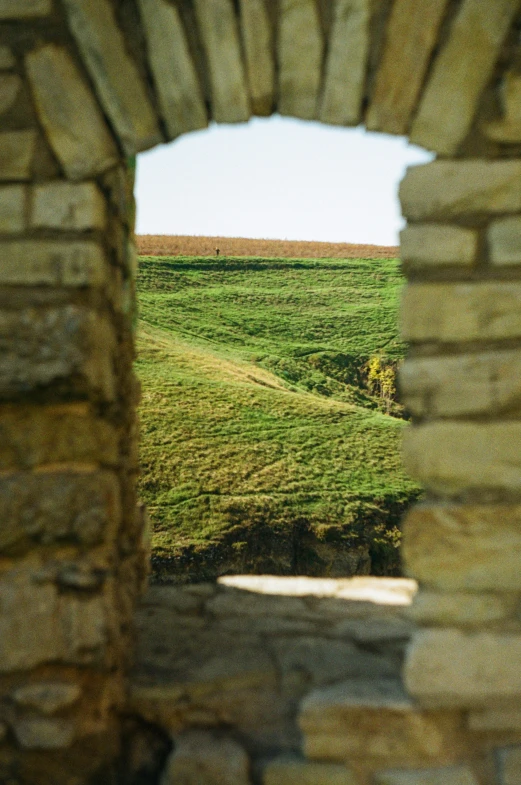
264 447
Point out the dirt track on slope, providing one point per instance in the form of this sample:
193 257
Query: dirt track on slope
180 245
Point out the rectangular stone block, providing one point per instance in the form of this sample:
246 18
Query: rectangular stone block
6 58
461 609
69 345
464 547
284 771
61 507
52 263
454 668
180 95
495 719
17 150
460 73
462 384
455 457
443 190
346 63
504 241
257 41
38 624
509 761
116 77
69 113
24 9
299 76
427 245
454 312
68 206
10 87
12 209
36 435
450 775
411 35
220 35
377 723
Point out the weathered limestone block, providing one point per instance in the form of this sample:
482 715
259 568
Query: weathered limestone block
452 775
454 668
464 547
24 9
47 697
452 457
300 66
508 129
34 435
7 60
69 113
17 149
453 312
284 771
484 383
52 263
495 718
177 84
442 190
427 245
114 73
504 241
220 36
200 758
509 761
460 74
12 209
258 46
44 733
411 35
38 624
346 63
377 722
68 206
461 609
10 86
78 508
42 346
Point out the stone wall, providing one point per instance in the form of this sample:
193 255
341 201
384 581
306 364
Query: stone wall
84 86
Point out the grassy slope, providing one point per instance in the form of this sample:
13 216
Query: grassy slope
251 420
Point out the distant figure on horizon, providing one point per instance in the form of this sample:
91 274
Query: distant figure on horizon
217 252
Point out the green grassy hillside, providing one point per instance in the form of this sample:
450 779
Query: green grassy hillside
265 447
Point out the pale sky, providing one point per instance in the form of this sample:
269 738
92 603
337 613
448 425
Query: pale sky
276 178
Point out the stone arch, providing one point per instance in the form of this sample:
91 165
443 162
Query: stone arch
86 84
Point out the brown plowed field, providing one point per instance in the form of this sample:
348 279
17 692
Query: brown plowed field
179 245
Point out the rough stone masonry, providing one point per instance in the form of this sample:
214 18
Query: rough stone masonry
85 85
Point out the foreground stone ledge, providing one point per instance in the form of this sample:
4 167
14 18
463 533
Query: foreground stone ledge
452 668
53 263
464 547
463 384
461 311
79 508
442 190
453 457
429 246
